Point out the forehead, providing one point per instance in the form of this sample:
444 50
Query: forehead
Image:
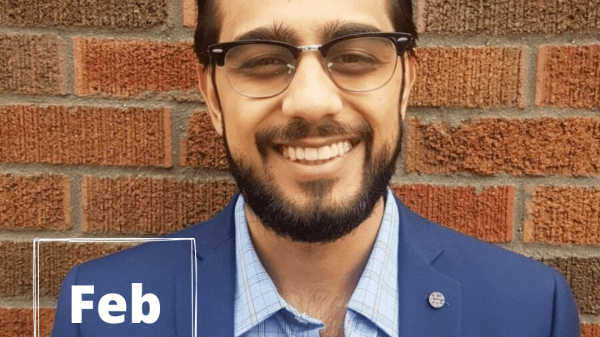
308 20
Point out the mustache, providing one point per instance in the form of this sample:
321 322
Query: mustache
298 129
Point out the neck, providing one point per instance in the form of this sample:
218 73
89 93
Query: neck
305 273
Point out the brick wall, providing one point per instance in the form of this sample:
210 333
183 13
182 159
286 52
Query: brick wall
103 134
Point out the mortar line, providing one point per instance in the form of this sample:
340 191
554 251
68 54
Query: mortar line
519 213
69 63
590 319
76 204
531 63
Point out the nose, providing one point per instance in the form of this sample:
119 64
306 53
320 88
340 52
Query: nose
311 95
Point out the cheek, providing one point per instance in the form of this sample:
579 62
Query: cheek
391 116
243 118
383 116
239 132
388 134
234 118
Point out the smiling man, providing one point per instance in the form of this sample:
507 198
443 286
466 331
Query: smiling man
309 97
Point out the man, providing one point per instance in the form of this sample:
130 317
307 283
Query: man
309 96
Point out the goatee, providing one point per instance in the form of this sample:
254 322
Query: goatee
316 223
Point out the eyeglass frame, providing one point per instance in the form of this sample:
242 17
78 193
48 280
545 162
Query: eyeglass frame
218 52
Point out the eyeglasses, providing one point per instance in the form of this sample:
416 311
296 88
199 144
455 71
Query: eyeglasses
357 63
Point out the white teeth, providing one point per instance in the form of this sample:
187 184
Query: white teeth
299 153
316 155
334 150
341 148
324 153
310 153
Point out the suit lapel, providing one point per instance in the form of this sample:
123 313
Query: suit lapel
216 288
215 242
418 248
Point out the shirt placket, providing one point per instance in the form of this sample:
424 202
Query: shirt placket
301 325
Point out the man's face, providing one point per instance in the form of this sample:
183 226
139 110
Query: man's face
308 200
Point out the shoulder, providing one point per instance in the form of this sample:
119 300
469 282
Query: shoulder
167 269
455 252
498 286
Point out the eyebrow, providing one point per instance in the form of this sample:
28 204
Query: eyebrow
338 29
332 30
274 32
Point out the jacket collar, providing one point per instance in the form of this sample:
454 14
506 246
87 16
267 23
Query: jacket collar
215 252
420 245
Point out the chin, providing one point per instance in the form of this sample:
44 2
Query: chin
329 209
323 217
325 195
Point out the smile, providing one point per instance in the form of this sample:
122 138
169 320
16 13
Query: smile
316 155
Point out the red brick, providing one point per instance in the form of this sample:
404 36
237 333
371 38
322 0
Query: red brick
190 13
101 13
203 146
32 64
489 146
568 76
85 135
56 259
16 269
135 68
18 322
149 205
582 274
486 214
590 330
509 17
563 215
473 77
35 202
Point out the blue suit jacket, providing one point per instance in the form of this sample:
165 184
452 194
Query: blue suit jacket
489 291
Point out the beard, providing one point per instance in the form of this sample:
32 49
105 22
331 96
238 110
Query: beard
317 222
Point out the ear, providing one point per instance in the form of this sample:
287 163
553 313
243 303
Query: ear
410 67
210 97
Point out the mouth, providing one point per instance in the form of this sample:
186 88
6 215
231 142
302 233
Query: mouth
314 155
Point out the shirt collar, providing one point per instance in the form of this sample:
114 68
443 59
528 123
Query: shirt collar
375 296
256 297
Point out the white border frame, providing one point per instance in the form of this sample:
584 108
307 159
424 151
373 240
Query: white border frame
36 268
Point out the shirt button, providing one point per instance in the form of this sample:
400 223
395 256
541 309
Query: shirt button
436 300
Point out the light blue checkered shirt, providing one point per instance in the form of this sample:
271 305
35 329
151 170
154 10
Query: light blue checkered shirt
371 311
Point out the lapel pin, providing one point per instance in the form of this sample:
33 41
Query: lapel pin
436 300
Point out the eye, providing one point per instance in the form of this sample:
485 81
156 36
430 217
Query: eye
353 58
353 63
263 61
264 67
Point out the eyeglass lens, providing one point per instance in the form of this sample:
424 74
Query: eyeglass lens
263 70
